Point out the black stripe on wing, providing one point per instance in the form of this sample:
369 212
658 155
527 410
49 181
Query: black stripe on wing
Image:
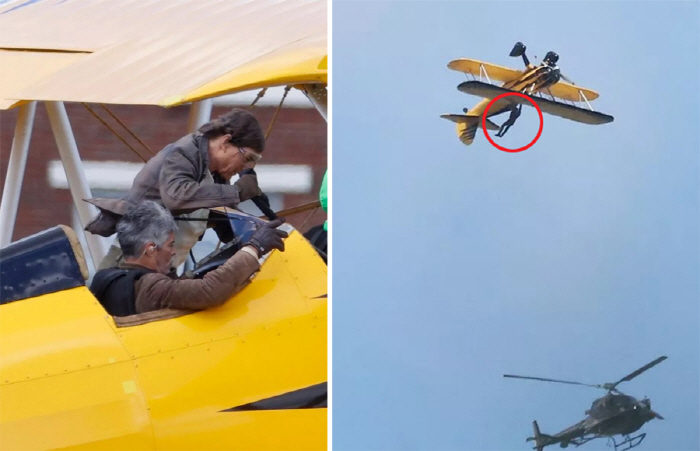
313 397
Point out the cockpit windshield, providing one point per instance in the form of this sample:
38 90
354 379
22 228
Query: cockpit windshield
237 228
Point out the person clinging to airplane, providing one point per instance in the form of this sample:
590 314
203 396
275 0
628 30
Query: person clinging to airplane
514 115
190 176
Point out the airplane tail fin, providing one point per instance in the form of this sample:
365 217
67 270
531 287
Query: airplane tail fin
541 440
470 120
468 125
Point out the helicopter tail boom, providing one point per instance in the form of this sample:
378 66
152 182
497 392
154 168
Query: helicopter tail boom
541 440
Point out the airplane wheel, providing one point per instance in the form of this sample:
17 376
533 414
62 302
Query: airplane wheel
518 49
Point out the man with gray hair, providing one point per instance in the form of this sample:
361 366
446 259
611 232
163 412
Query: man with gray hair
139 284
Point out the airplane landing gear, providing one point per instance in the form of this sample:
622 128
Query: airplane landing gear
519 50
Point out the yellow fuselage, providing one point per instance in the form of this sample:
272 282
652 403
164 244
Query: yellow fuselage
71 379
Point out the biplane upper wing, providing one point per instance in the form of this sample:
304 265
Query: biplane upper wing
564 110
34 67
561 89
121 55
494 72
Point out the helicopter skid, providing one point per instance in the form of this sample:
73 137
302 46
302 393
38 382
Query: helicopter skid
628 442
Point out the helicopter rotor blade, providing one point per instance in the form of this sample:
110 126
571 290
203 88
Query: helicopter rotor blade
551 380
636 373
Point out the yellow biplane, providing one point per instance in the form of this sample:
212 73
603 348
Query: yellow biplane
250 375
537 82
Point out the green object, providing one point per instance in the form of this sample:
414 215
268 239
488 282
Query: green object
323 197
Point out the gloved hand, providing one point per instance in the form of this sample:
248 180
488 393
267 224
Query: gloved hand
268 237
261 201
248 187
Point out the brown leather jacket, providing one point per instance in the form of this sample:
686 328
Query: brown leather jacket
155 291
175 177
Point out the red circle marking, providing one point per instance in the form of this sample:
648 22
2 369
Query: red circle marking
483 122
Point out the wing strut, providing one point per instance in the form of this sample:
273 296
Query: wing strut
15 172
75 173
583 96
482 69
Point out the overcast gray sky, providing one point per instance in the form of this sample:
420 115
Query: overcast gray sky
575 259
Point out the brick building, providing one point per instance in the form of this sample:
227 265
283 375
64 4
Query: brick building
290 173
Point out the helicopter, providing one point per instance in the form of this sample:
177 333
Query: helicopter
613 414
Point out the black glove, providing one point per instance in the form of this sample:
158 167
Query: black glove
261 200
248 187
268 237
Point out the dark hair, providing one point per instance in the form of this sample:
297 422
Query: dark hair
244 128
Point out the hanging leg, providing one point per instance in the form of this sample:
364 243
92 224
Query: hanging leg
504 129
15 172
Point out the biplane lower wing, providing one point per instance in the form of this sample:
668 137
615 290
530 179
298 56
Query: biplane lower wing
560 109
